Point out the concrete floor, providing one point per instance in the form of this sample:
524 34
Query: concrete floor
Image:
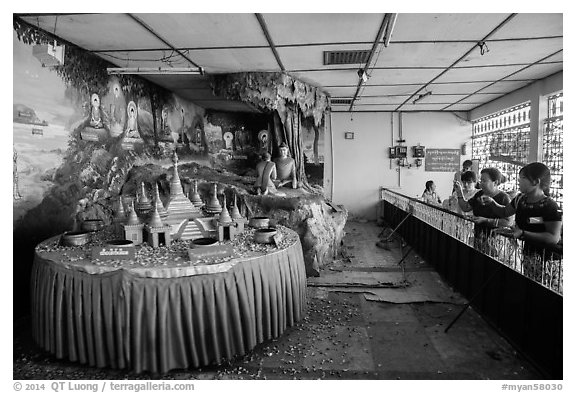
366 319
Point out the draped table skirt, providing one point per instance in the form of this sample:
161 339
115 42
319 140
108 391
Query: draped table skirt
120 319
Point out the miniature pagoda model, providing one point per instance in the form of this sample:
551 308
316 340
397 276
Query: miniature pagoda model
194 196
237 217
133 227
158 203
156 232
119 219
178 206
228 227
144 206
213 205
181 212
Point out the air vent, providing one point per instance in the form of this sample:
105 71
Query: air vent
341 101
346 57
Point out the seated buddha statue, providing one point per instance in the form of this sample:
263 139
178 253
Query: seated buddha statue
266 175
95 115
285 167
132 123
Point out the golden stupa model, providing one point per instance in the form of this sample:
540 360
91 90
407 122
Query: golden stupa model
181 213
229 226
157 232
213 205
133 227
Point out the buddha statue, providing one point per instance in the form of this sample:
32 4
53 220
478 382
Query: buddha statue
96 120
285 167
266 175
132 123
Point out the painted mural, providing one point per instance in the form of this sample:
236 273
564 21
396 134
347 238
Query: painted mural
43 114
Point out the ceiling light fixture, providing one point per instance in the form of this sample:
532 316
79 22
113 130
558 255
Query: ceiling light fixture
362 75
156 71
389 28
483 47
422 96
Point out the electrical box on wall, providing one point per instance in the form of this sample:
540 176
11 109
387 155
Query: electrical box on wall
401 151
418 151
398 152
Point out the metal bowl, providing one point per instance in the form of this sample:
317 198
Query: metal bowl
76 238
92 225
259 222
203 242
264 235
120 243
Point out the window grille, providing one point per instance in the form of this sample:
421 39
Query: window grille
502 140
553 146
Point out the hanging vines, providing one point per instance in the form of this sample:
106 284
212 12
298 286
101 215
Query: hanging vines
272 91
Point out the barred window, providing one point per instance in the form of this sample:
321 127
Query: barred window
553 146
502 140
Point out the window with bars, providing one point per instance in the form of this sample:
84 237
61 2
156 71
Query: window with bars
502 140
553 146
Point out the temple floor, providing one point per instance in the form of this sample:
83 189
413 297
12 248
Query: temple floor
367 318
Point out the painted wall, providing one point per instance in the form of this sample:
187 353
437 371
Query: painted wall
361 165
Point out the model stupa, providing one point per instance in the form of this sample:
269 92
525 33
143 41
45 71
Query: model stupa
235 211
144 206
133 227
181 212
227 227
237 217
156 232
194 196
119 218
179 207
158 203
224 215
213 205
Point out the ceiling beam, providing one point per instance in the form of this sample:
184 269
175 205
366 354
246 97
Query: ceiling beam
379 35
435 83
504 22
424 67
151 31
342 43
507 76
264 28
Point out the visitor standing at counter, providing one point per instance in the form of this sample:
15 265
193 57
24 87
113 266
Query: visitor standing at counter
466 166
484 217
538 220
429 195
286 167
468 181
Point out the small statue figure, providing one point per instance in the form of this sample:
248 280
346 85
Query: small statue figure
264 140
266 175
132 124
96 120
286 167
228 139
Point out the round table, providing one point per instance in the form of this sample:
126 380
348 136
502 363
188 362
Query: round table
167 316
